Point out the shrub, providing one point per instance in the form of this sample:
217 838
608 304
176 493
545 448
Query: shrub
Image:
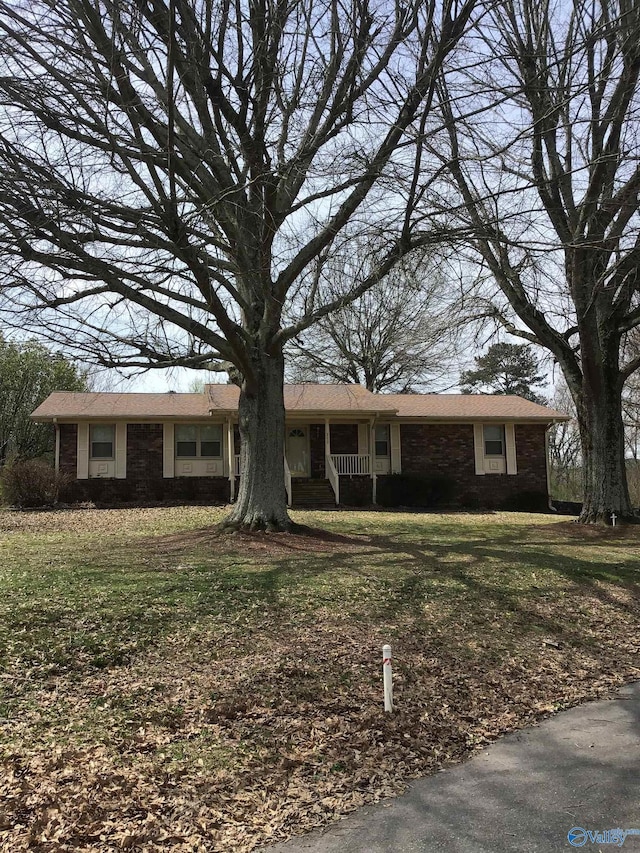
530 501
355 491
415 490
31 483
470 501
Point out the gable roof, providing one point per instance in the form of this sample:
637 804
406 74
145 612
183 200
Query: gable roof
303 399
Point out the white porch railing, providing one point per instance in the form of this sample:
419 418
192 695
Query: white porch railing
287 481
334 478
237 464
351 463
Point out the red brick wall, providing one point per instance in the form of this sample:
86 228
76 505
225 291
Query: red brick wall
152 490
356 490
447 450
344 438
69 449
144 452
437 449
144 480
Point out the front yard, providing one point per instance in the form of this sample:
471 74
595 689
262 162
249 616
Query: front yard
162 688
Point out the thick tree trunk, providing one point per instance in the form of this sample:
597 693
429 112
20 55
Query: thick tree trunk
602 436
261 502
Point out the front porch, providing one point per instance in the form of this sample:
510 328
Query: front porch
338 452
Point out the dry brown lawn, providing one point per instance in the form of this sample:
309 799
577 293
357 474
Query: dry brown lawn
165 688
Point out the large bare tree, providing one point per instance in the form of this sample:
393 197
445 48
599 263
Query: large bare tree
175 171
548 181
400 336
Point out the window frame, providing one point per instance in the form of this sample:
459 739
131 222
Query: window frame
112 456
503 441
387 441
198 441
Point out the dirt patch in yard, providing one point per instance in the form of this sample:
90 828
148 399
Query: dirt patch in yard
303 540
591 533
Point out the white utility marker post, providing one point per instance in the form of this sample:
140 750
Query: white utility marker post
387 678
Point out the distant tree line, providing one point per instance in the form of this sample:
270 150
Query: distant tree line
29 372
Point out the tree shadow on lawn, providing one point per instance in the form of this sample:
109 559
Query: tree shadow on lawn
325 551
499 653
472 585
481 566
534 578
548 599
305 539
469 583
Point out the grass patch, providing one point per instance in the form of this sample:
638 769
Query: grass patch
165 687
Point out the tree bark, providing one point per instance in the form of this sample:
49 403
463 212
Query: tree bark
599 410
261 502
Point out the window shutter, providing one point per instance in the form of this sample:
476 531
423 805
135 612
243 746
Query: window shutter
121 451
510 450
168 452
83 452
478 447
396 456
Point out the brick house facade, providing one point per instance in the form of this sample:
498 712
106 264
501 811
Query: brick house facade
489 451
447 450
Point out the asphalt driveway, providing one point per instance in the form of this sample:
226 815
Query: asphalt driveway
579 770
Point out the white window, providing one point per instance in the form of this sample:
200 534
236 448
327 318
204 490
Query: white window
204 441
382 440
102 441
493 440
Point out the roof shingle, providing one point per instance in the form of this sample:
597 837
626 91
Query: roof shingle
64 404
310 398
338 399
471 407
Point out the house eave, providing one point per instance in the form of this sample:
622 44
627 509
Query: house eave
474 419
301 416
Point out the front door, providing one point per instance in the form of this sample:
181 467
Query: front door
298 451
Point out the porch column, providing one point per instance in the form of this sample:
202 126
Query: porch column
372 459
396 451
327 446
231 460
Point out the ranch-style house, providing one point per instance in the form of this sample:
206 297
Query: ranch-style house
344 445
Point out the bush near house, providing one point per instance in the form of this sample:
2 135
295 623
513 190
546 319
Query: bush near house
415 490
31 483
530 501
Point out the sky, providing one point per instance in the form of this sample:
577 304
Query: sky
150 381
